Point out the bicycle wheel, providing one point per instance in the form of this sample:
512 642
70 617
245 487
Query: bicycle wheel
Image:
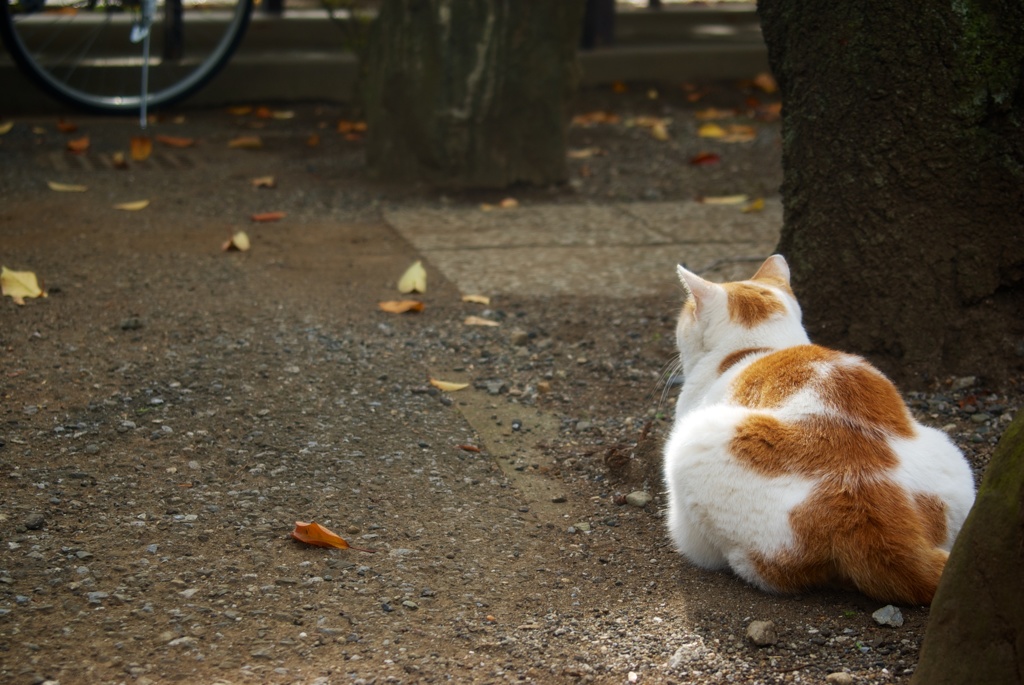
79 51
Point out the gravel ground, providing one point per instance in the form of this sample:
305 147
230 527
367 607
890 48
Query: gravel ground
170 411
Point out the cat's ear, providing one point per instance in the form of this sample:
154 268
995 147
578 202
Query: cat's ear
774 268
696 287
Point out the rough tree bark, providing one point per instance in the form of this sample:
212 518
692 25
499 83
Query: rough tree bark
473 93
976 629
903 160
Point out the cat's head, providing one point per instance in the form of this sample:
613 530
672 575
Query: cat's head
759 312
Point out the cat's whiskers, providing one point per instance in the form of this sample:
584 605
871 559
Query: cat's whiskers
671 370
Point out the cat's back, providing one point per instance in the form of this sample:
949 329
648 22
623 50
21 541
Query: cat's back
810 380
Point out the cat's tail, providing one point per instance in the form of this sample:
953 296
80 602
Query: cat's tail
903 572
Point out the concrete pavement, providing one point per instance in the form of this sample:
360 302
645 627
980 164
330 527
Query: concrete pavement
618 250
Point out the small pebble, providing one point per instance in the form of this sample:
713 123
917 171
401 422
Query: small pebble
519 337
888 616
35 521
132 323
839 678
638 498
762 633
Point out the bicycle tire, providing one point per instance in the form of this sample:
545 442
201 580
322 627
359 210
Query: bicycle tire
79 52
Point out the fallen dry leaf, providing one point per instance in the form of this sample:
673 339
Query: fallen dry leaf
733 133
755 206
713 113
66 187
132 206
264 182
240 111
597 117
118 160
739 133
78 145
585 152
66 126
175 141
710 130
5 127
345 126
479 321
770 112
19 284
246 143
142 148
766 82
507 203
239 242
705 159
448 386
414 280
724 199
659 131
468 448
476 299
262 113
313 140
619 87
314 534
282 114
266 217
400 306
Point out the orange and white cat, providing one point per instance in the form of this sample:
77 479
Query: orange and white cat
798 466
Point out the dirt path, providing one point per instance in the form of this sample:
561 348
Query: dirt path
170 411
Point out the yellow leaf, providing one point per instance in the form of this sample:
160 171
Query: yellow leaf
659 131
314 534
142 147
714 113
509 203
755 206
239 242
132 206
448 386
479 321
739 134
263 182
401 306
414 280
282 114
66 187
5 127
725 200
476 299
19 284
246 143
711 131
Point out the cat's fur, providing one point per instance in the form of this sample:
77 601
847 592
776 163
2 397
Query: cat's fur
798 466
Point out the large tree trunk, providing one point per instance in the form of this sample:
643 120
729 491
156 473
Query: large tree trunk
473 93
903 160
976 629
